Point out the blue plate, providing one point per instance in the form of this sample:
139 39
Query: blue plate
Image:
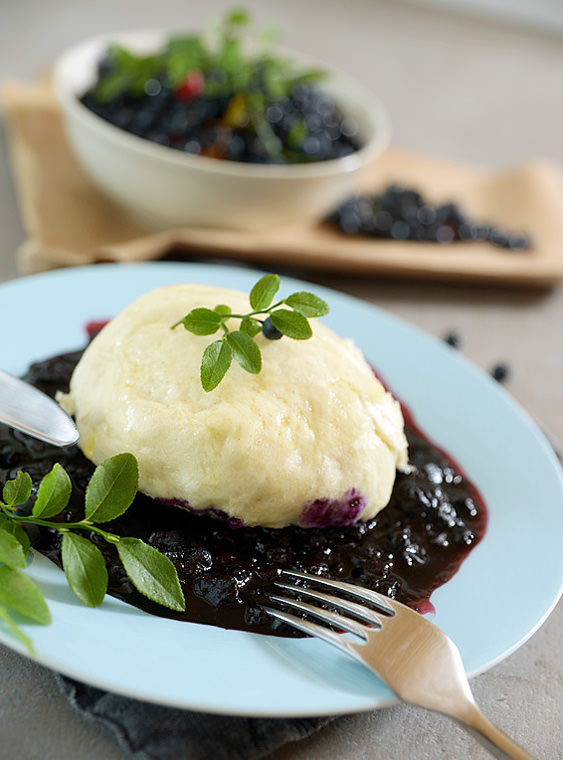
501 595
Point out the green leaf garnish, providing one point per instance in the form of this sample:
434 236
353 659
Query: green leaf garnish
215 363
85 569
152 573
22 595
245 351
262 294
16 630
250 326
109 494
112 488
53 493
16 530
292 324
17 491
307 304
11 550
202 321
240 344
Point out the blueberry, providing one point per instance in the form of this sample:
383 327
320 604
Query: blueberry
498 237
383 221
400 230
518 242
481 232
500 372
467 231
274 114
445 234
350 221
269 331
453 339
426 215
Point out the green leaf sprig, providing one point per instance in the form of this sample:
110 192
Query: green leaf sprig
109 494
240 344
232 56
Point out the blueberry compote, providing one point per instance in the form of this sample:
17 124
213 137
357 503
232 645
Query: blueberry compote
414 545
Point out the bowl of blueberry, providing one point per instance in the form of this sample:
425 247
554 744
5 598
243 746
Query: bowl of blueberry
222 131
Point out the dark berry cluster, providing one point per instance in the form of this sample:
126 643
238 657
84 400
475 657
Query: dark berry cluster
403 214
305 126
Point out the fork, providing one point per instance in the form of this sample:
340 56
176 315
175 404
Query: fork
413 656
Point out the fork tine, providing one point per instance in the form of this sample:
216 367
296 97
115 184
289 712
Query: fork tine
326 616
382 603
313 629
362 613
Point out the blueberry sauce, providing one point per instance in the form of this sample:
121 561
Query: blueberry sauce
417 543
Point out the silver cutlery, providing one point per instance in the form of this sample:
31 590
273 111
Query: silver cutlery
25 408
412 655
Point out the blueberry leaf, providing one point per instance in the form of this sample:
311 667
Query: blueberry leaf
263 292
18 490
112 488
10 526
11 551
292 324
215 362
85 569
237 17
202 321
307 304
222 309
250 326
53 493
151 572
16 630
19 593
245 351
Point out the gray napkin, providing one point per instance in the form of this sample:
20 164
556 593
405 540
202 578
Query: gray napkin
153 732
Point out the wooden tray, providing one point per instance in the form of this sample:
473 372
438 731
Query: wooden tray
70 222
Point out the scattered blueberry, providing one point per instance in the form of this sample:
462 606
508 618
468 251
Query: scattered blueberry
403 214
453 339
519 242
500 372
499 238
269 331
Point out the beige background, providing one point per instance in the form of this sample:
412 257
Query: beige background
457 87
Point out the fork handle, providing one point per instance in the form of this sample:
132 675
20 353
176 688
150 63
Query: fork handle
492 738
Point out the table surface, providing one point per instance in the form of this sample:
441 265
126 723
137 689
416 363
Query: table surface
457 87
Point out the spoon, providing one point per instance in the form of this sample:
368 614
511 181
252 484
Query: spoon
28 409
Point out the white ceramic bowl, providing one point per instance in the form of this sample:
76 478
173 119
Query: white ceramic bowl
168 188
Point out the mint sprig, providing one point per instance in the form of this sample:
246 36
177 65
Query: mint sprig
240 344
109 494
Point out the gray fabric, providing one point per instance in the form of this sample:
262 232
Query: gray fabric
153 732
